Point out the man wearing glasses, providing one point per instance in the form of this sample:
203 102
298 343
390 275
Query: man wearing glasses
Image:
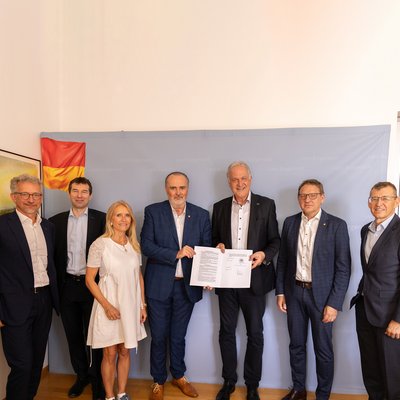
313 273
378 297
28 288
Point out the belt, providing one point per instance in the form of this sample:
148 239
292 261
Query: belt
39 289
76 278
304 285
178 278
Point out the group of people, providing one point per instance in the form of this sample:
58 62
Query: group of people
87 266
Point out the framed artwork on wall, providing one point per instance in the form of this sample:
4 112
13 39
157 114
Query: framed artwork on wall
12 164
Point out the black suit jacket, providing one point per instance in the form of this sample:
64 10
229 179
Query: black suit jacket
263 235
96 226
380 283
16 270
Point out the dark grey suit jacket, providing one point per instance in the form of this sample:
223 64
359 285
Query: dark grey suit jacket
380 283
263 235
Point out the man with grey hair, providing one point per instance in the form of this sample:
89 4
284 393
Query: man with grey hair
28 288
245 221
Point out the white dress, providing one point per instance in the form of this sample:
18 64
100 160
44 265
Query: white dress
119 282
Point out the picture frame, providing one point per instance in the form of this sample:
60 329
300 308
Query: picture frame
13 164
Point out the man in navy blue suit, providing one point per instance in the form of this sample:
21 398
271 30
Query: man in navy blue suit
313 273
170 231
245 221
378 298
28 287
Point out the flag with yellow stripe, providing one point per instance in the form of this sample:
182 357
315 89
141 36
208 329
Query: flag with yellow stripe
62 162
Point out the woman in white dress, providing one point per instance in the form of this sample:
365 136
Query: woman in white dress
119 308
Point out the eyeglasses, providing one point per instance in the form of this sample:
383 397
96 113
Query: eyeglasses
26 195
385 199
311 196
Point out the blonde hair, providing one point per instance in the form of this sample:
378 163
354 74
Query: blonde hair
131 232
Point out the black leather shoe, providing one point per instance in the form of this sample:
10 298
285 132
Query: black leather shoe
77 388
252 394
226 390
296 395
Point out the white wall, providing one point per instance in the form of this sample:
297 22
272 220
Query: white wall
29 82
82 65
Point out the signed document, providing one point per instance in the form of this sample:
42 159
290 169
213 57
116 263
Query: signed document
211 267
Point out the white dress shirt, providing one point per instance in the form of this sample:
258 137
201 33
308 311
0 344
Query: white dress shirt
38 248
240 217
76 242
179 225
305 246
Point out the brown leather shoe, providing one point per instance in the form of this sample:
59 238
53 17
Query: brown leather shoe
296 395
157 392
185 386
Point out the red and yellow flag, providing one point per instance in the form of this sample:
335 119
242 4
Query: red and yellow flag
62 162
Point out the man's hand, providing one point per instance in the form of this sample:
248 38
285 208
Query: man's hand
393 330
329 314
185 251
281 303
257 258
1 324
221 246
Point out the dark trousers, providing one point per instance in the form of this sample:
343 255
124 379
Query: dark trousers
301 310
76 307
253 307
168 320
380 358
25 347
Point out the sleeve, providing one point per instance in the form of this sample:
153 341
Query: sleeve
95 253
150 245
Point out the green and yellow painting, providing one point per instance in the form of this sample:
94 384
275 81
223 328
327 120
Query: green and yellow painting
10 167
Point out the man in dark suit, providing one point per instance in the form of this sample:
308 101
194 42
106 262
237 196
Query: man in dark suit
28 288
378 298
76 230
170 231
245 221
313 273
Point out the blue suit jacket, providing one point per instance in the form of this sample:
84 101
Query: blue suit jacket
16 271
331 262
380 283
159 242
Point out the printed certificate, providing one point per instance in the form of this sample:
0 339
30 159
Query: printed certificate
211 267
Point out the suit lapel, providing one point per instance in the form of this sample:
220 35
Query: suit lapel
394 224
18 230
171 221
187 227
323 223
226 213
254 207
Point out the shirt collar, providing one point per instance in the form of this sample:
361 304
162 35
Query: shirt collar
383 225
71 213
316 218
23 218
248 200
175 213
